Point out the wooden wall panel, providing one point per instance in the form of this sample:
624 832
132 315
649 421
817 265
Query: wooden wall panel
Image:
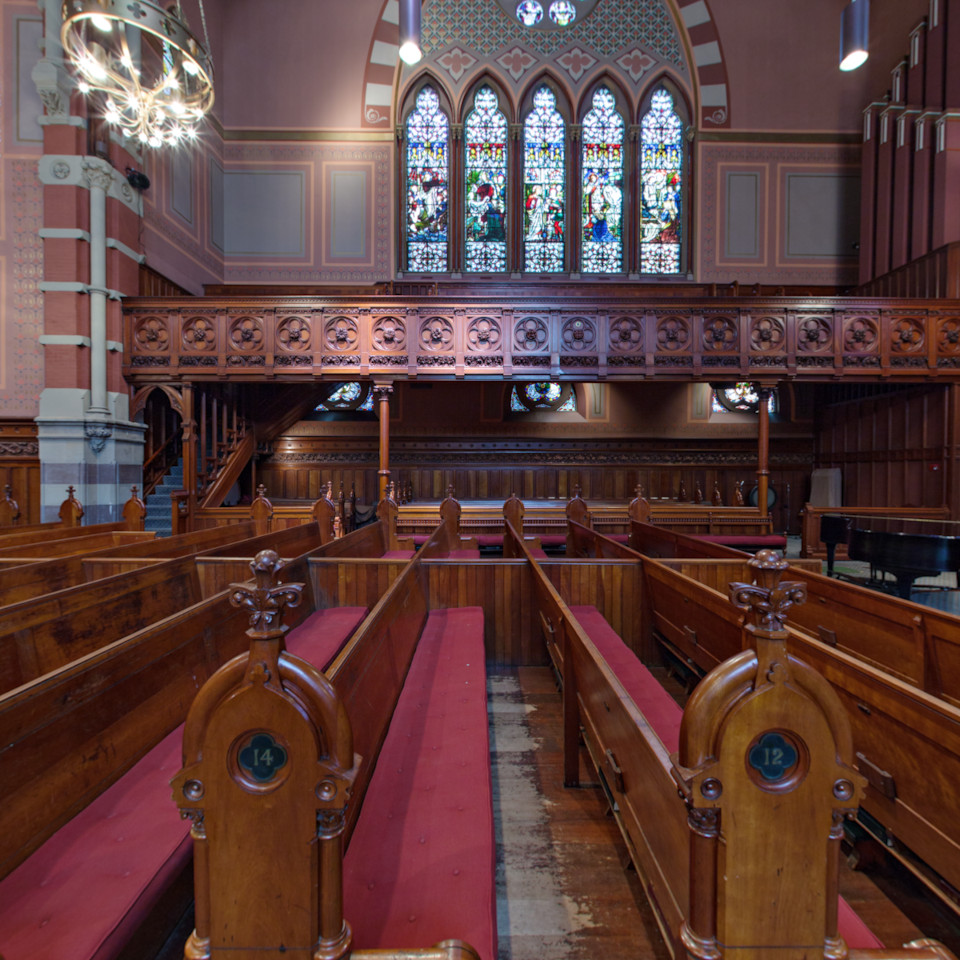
892 450
20 467
503 589
348 582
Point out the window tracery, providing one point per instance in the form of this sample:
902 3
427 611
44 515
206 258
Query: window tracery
427 193
544 187
601 173
661 178
348 397
543 396
485 196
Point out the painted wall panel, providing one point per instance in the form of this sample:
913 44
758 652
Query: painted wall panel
822 214
743 228
263 213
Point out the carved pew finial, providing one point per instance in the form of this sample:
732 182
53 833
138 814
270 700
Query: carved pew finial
134 511
717 498
71 510
324 510
697 492
738 493
765 740
267 775
261 511
9 508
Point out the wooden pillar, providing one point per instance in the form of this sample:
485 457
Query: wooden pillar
383 391
189 450
951 456
763 449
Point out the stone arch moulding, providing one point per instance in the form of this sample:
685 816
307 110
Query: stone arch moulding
693 18
712 89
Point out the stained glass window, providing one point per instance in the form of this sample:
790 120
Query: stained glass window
348 396
553 396
544 185
740 398
427 188
661 172
485 163
601 172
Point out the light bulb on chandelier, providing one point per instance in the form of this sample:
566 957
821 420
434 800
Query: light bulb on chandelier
151 77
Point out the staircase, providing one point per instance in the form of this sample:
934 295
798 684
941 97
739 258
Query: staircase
158 502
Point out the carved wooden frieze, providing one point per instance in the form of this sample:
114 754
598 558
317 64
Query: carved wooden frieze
567 338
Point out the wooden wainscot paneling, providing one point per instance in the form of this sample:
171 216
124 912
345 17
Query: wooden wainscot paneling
20 467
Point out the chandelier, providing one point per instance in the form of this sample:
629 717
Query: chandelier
150 76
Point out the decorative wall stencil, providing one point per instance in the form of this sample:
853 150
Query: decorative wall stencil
578 333
389 333
483 334
293 334
200 333
576 62
21 379
485 27
436 334
246 333
340 333
635 64
626 335
767 334
530 334
151 334
456 62
517 62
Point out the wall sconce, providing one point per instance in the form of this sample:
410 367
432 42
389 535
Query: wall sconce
854 34
410 51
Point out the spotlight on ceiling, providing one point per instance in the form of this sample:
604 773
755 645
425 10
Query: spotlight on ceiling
410 51
854 34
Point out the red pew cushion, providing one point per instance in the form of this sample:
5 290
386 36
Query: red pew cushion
90 886
319 638
553 539
663 713
420 867
489 540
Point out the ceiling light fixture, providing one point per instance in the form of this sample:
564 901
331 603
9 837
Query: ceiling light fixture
148 73
410 51
854 34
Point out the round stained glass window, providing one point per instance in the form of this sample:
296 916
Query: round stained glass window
529 13
563 12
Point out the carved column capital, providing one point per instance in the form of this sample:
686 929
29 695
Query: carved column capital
97 174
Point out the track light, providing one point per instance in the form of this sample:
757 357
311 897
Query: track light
854 34
410 51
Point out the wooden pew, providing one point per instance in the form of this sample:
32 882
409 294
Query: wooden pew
907 741
86 753
398 879
718 882
42 634
9 508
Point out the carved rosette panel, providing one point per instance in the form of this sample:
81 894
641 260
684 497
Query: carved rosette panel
151 334
907 335
483 335
436 335
948 336
673 333
389 333
719 333
246 334
530 334
626 335
200 333
767 334
293 334
814 334
578 334
860 335
341 334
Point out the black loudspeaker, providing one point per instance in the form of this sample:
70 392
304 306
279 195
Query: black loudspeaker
754 497
137 180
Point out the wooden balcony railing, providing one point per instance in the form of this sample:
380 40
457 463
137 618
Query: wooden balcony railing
571 337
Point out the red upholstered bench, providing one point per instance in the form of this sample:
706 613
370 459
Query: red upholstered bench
87 890
421 863
664 715
489 539
553 539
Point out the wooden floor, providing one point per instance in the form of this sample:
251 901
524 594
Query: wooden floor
585 862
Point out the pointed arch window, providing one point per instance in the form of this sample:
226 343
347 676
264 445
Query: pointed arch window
601 179
544 185
543 396
661 175
485 194
427 193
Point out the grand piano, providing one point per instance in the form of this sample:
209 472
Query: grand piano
905 555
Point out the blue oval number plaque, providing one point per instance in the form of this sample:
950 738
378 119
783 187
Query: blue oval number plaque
261 757
773 757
